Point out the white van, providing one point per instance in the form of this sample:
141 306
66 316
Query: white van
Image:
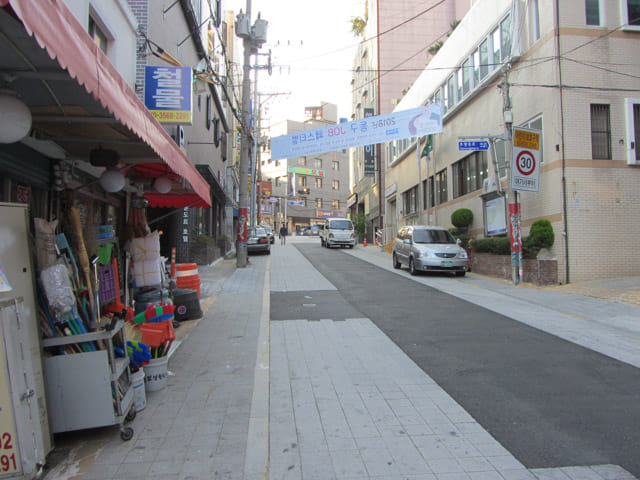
337 232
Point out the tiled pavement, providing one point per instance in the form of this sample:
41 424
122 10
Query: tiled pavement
253 399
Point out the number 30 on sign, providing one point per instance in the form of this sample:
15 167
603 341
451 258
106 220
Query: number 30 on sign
525 163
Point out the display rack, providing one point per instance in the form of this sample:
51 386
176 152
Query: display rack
90 389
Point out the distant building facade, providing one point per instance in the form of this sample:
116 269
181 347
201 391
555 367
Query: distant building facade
307 189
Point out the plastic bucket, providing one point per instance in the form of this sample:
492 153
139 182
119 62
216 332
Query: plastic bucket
139 394
155 374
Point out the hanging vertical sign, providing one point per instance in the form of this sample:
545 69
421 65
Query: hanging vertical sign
525 163
185 225
167 94
369 152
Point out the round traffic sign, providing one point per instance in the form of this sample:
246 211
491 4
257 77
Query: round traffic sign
525 162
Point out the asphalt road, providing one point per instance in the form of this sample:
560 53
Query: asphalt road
551 403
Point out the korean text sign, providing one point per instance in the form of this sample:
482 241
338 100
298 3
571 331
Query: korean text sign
416 122
525 163
167 94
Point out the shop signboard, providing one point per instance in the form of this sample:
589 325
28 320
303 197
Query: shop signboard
314 172
167 94
369 151
325 213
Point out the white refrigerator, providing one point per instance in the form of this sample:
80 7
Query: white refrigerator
24 427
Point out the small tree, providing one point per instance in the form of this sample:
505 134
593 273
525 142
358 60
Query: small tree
360 223
540 236
461 219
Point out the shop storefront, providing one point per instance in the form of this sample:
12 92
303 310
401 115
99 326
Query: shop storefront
81 161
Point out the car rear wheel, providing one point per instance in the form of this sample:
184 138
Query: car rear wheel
396 263
412 267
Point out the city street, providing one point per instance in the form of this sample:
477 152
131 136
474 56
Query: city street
329 364
548 401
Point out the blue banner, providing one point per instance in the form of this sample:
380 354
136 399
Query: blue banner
416 122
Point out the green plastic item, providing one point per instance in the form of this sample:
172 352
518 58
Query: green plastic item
104 253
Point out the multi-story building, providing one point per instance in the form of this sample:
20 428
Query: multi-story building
398 40
558 67
308 188
192 33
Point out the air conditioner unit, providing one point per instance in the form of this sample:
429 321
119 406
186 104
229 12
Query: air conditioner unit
489 185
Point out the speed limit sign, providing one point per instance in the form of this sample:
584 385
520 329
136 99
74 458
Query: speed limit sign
525 163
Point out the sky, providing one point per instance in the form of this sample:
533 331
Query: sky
312 55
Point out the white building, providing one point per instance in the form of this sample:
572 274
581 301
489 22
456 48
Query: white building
568 70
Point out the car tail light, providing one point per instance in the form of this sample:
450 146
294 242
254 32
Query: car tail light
262 240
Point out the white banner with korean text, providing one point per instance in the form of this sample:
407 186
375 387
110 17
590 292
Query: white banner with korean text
425 120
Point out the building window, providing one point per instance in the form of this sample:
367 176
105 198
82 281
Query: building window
302 180
410 201
318 182
505 32
469 173
441 187
304 200
318 163
318 203
335 165
496 57
632 127
484 58
632 11
98 35
600 132
335 204
335 185
467 74
303 162
592 10
428 193
451 91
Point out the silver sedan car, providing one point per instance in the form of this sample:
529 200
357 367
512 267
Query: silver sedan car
429 249
258 241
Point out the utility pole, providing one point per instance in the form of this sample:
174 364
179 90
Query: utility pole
255 160
253 37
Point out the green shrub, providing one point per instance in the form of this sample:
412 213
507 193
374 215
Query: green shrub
462 218
541 233
495 245
540 236
202 238
360 224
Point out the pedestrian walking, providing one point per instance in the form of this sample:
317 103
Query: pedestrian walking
283 234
